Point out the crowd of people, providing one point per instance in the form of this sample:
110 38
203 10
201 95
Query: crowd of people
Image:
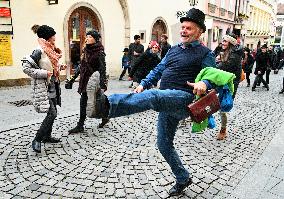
174 67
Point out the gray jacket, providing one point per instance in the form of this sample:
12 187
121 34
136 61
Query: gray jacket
39 81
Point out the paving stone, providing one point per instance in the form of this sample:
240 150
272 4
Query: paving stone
122 160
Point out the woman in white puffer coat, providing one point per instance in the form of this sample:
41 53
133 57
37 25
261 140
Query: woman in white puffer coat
43 67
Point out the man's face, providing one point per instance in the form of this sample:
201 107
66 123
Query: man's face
270 48
137 41
163 40
263 50
189 32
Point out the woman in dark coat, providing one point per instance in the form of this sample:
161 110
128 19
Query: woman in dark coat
247 64
92 60
145 63
229 60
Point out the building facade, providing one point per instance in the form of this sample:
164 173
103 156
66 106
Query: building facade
220 15
117 21
260 26
279 35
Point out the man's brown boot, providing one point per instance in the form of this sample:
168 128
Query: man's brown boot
222 134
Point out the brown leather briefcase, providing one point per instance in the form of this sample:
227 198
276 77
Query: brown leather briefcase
208 104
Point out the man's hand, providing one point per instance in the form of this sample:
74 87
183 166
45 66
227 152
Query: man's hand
199 88
139 89
135 53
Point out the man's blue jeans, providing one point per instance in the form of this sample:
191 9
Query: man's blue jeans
172 107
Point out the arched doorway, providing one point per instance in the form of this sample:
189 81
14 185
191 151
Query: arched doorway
81 20
158 29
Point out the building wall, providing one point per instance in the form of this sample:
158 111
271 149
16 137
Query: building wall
115 19
260 24
219 17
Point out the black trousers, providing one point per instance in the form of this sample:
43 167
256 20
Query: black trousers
46 126
258 79
124 71
247 78
267 73
83 107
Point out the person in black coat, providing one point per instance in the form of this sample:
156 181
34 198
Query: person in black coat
145 63
247 64
165 46
262 61
92 60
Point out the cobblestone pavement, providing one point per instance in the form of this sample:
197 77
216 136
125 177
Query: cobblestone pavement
121 160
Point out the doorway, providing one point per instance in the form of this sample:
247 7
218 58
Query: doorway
81 21
158 29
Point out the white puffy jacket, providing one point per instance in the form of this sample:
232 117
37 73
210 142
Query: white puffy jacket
36 66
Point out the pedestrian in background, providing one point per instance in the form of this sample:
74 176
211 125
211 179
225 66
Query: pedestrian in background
44 68
145 63
218 49
165 46
262 61
229 60
125 63
135 50
92 60
247 64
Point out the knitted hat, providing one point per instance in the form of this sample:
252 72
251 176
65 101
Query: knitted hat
43 31
231 39
94 34
154 43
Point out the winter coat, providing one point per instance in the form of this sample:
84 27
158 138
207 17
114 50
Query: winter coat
36 66
93 59
262 62
125 61
248 64
139 48
165 47
143 65
233 64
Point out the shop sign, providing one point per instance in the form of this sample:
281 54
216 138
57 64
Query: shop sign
5 50
5 12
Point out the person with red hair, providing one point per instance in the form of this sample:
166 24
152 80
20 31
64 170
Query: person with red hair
145 63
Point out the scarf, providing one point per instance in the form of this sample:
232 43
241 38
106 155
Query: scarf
53 53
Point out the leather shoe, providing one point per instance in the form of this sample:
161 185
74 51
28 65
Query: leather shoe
76 129
281 92
178 188
104 122
36 146
222 134
50 140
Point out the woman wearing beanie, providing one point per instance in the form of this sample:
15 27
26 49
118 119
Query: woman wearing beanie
229 60
92 60
145 63
43 67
